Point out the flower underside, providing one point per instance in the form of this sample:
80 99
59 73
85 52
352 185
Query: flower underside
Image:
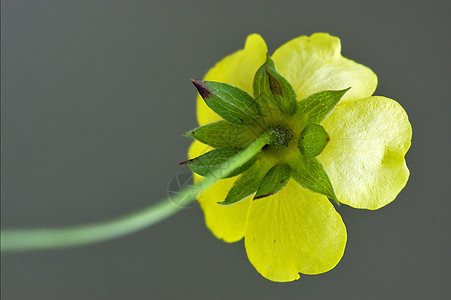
298 136
324 140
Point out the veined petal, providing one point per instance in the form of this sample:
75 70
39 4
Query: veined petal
226 222
365 155
294 231
313 64
237 69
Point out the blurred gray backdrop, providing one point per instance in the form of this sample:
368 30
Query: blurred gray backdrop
95 97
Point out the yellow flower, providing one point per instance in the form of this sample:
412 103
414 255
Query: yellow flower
297 230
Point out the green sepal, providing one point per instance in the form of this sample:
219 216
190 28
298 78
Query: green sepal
282 91
231 103
261 82
211 161
310 174
223 134
318 106
272 89
273 181
312 140
246 184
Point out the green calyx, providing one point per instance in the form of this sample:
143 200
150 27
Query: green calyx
282 136
294 135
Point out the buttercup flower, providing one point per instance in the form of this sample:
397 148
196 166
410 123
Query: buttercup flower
351 152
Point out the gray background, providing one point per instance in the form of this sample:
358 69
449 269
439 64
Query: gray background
96 95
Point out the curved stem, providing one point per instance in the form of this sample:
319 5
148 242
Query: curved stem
45 238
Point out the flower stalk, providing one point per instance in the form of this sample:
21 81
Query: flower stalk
47 238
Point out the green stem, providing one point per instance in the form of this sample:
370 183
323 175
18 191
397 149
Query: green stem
44 238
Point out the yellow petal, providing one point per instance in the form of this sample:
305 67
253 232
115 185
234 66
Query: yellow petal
365 155
237 69
226 222
294 231
313 64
